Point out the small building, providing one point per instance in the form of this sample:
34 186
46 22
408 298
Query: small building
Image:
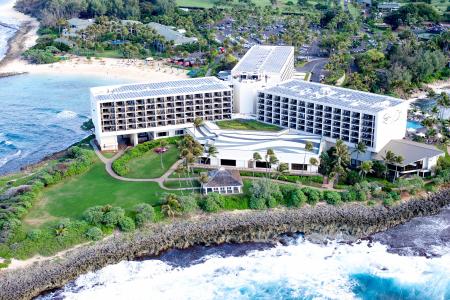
75 25
170 34
387 7
418 159
223 181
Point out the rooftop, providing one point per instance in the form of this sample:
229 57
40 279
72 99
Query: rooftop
171 35
409 150
332 95
282 142
158 89
263 59
223 177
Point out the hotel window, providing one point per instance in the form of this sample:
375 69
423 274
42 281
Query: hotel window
162 133
179 132
299 167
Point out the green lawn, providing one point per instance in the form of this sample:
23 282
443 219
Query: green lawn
72 197
184 183
242 124
210 3
149 165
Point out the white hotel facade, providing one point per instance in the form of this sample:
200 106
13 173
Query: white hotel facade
334 113
260 67
141 112
261 87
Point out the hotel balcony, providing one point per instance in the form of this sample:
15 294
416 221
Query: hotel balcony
355 128
261 118
354 141
161 123
189 120
327 133
335 135
131 126
355 134
120 110
328 128
311 124
150 101
130 103
150 106
337 118
269 120
179 98
337 124
336 130
160 118
198 96
310 111
328 115
151 124
310 105
356 115
181 121
318 131
293 126
227 105
151 119
199 113
301 122
318 120
285 112
218 100
170 117
310 118
198 102
355 122
130 115
346 113
139 102
368 117
141 125
318 125
337 110
345 138
121 127
366 123
346 119
293 102
268 102
301 103
260 101
310 130
189 97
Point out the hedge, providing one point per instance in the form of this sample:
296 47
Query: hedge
120 165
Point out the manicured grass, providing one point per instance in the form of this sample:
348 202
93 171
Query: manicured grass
184 184
108 154
185 174
149 165
242 124
72 197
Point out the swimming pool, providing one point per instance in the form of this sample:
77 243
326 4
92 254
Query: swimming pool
413 125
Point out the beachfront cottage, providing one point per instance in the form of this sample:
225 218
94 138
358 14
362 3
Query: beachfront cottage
223 181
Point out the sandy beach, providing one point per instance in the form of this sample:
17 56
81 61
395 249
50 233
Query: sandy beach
107 68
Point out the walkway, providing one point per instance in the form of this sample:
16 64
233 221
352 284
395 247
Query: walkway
160 180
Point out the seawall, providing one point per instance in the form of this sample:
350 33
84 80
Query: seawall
351 220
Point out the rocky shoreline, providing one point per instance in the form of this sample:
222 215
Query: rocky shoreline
350 221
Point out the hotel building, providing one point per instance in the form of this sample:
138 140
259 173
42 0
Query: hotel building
141 112
260 67
236 148
334 113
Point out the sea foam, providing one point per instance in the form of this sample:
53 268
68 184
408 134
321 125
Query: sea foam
301 270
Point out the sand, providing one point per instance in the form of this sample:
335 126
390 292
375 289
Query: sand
106 68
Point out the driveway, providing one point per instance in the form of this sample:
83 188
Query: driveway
315 67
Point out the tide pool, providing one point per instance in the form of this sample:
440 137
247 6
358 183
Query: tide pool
42 114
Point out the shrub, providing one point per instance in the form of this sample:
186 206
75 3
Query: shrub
264 193
112 217
94 215
94 233
388 201
188 204
353 177
126 224
296 198
313 195
394 195
331 197
145 213
348 196
361 196
257 203
213 202
34 234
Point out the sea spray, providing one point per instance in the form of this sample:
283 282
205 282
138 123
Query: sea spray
297 270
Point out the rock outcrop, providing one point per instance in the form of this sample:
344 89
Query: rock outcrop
351 220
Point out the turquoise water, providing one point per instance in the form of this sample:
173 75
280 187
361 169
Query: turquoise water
40 115
413 125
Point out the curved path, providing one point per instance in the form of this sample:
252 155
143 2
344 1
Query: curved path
160 180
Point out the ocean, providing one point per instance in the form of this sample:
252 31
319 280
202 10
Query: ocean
40 115
8 26
410 261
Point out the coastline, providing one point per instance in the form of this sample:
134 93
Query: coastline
347 222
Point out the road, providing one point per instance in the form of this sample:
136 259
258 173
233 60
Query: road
315 67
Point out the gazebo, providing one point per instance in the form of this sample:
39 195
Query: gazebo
223 181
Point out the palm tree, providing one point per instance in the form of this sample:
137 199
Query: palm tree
360 148
204 177
443 100
313 161
61 230
269 153
172 207
256 158
341 158
282 169
393 159
180 170
365 168
212 152
308 148
162 145
197 123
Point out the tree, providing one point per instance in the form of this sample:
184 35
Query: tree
264 193
197 123
366 168
61 230
282 169
204 178
172 207
314 161
308 148
61 23
360 148
256 158
162 146
213 202
341 158
212 152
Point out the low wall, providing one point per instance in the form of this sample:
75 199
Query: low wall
353 220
